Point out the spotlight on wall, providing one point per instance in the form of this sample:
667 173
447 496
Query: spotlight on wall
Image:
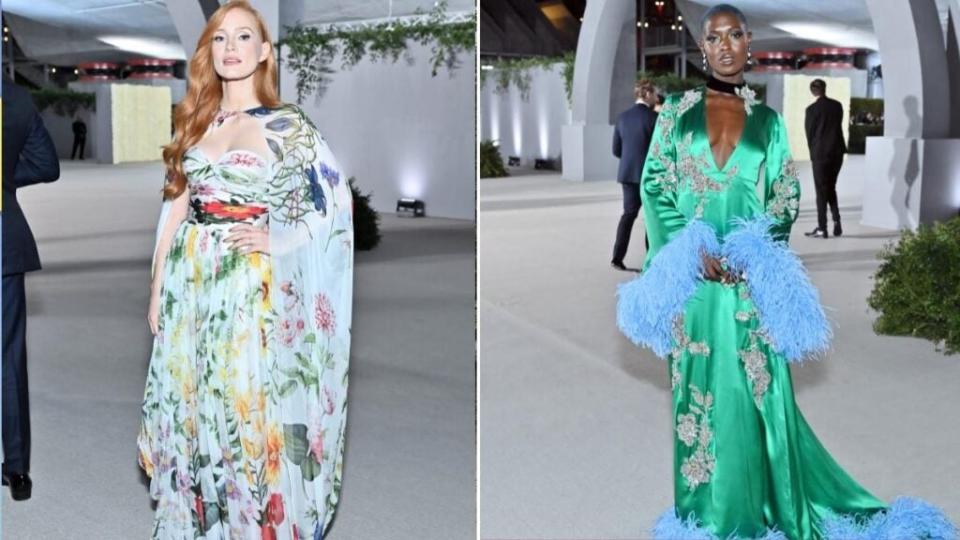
486 67
53 70
410 207
513 161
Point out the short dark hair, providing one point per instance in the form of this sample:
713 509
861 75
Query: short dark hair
723 8
819 86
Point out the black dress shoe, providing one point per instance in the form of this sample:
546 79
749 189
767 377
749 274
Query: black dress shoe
618 265
837 230
816 233
20 485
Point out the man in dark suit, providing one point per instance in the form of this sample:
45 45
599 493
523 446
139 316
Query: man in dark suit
824 125
29 157
79 138
631 140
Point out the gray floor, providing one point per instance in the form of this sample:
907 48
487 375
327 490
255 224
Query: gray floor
410 463
575 431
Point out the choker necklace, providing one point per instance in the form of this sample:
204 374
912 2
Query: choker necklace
725 87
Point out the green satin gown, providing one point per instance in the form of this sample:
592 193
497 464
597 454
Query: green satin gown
745 461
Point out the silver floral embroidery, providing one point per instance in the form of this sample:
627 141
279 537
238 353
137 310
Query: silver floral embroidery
689 99
697 468
695 168
749 97
744 316
755 363
783 203
687 428
683 343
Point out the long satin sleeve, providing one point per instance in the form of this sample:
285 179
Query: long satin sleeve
781 191
659 183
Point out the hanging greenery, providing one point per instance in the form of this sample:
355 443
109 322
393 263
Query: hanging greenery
517 72
312 49
63 102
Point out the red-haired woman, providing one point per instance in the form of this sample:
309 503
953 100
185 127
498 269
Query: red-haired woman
245 402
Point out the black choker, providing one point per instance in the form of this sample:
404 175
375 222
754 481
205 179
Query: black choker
725 87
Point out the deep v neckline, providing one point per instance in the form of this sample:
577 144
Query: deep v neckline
706 129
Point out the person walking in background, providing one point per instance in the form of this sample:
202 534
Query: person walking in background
29 157
79 138
631 139
824 126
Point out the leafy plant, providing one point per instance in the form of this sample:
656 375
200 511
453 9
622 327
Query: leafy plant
517 72
917 289
859 105
491 163
64 102
312 49
366 220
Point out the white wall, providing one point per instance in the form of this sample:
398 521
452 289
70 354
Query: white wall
401 132
528 129
61 132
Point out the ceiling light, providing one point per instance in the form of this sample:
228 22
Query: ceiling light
679 17
6 29
6 38
156 48
673 27
486 67
646 25
639 24
833 35
76 72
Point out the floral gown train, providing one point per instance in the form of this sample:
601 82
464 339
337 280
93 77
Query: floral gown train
244 410
746 464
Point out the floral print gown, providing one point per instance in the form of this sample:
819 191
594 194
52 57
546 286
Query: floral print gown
746 463
244 410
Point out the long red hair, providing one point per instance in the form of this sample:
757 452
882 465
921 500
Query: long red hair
194 113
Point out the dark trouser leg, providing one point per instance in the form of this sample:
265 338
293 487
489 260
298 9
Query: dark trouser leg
83 145
821 171
16 401
830 186
631 208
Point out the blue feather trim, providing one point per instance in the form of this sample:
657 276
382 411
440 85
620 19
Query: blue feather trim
647 305
671 527
907 517
787 302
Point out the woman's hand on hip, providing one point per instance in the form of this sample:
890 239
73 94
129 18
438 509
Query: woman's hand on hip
247 238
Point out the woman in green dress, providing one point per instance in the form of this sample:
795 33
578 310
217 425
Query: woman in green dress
726 303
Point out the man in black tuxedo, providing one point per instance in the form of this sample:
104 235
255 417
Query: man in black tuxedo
824 126
631 140
29 157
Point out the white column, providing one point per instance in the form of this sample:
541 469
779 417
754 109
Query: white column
913 171
603 79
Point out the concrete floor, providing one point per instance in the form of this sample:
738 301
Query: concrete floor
410 461
575 430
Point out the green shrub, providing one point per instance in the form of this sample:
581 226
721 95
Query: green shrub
366 220
63 102
858 137
491 163
873 106
917 289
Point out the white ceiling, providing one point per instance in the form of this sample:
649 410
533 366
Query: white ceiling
80 24
793 25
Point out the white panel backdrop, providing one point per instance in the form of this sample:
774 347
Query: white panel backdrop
401 132
529 129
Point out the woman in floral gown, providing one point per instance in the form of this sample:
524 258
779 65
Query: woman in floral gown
728 306
245 404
